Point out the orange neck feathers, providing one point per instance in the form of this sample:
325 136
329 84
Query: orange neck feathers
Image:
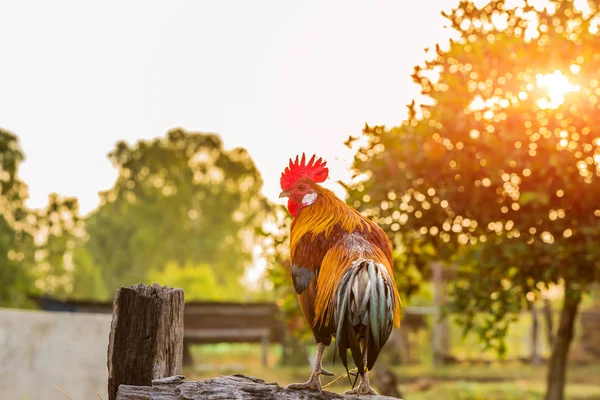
323 215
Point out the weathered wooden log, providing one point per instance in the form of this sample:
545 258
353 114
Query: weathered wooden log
234 387
146 336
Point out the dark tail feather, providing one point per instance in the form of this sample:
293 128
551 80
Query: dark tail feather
342 298
363 311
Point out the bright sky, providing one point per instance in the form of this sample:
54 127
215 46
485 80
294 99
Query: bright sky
276 77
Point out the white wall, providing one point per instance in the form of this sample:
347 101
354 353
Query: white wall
40 349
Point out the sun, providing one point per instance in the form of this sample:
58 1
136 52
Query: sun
557 85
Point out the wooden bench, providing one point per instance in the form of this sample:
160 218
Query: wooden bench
210 323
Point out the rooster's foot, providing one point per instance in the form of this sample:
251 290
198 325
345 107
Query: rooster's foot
364 389
314 383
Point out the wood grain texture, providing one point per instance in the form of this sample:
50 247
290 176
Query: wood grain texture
146 336
234 387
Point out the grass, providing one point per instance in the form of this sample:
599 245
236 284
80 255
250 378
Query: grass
472 381
520 389
497 371
70 398
496 381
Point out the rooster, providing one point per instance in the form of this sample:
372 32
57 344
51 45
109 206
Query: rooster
342 272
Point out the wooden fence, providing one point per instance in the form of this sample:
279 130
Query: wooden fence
205 322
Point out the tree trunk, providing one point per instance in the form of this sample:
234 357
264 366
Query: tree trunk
549 322
536 358
557 368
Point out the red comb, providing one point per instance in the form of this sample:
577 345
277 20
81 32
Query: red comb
314 170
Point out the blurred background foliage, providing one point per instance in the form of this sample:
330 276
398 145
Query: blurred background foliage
183 211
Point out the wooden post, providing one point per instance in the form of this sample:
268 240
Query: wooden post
441 329
188 360
265 350
146 336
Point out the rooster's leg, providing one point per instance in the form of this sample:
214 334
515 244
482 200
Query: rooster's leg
314 382
364 387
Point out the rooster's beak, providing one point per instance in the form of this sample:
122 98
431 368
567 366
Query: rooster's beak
284 194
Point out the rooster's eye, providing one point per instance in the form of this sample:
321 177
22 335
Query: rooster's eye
302 188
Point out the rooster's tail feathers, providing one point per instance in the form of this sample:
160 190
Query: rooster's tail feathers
363 311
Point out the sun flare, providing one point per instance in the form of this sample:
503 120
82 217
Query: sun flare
557 86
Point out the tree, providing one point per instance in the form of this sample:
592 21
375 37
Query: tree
500 171
58 230
35 245
15 241
181 199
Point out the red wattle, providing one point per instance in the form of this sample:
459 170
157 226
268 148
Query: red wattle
293 207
